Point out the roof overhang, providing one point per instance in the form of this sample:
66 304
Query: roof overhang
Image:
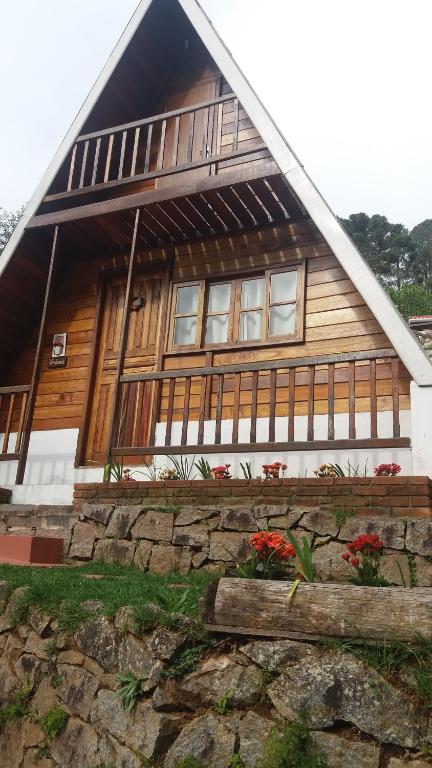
403 340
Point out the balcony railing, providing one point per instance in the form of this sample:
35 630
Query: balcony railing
329 402
13 404
193 137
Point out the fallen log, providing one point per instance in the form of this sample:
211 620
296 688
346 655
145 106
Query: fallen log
317 611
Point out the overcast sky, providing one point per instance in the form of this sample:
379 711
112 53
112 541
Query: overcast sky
348 82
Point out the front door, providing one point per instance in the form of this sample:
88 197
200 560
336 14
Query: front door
140 354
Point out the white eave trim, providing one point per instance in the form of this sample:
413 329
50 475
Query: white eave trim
402 339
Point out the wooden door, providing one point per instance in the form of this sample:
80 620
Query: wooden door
140 356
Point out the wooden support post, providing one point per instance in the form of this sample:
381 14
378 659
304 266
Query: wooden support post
28 419
123 333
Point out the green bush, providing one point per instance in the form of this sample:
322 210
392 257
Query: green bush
292 747
54 722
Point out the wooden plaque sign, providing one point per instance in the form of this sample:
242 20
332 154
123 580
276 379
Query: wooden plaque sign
57 362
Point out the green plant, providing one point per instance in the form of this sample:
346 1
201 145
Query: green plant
113 470
224 706
54 722
204 469
183 466
187 659
50 649
236 762
365 554
189 762
172 508
304 557
291 746
18 706
43 753
268 675
246 468
130 689
56 681
341 515
412 570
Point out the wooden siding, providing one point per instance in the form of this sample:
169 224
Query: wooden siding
337 321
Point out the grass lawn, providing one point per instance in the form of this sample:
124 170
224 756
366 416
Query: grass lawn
61 591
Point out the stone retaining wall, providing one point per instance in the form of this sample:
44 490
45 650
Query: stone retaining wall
357 717
395 496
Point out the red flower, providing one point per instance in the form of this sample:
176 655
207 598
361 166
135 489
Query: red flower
355 562
267 543
346 556
387 470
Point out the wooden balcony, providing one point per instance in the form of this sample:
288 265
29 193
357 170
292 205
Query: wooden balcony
263 406
13 407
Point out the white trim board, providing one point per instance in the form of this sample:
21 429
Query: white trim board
401 337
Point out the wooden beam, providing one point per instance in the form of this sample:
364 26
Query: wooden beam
306 445
28 419
141 199
124 332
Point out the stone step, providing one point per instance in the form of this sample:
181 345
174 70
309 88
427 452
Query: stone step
44 520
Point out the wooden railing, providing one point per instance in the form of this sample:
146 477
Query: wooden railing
169 143
13 404
255 406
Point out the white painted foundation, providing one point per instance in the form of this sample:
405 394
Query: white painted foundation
50 472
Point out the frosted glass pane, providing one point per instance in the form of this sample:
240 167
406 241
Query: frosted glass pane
252 294
283 286
282 320
219 298
250 325
185 330
187 300
217 329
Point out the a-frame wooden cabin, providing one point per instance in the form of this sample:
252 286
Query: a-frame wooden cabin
211 301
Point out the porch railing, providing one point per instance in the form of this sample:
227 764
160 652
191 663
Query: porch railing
181 140
338 401
13 404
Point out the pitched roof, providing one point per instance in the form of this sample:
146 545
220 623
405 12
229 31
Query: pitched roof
403 340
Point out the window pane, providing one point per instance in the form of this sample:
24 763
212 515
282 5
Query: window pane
219 297
250 325
217 329
252 293
187 300
185 330
282 320
283 286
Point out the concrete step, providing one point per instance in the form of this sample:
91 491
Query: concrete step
44 520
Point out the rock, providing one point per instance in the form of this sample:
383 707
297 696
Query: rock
191 536
229 546
13 648
320 521
77 689
83 540
191 515
38 646
392 565
165 559
111 753
238 519
32 734
100 513
97 639
392 532
206 738
38 620
76 746
339 687
396 763
275 655
422 571
92 606
115 551
280 510
164 643
122 520
70 657
142 554
11 745
199 559
8 681
155 526
142 730
45 697
135 656
17 599
343 753
27 668
328 563
32 759
419 537
124 620
253 732
216 677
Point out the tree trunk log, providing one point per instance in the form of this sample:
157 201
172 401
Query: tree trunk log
264 608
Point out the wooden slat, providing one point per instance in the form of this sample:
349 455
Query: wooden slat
235 129
395 397
122 155
373 398
108 158
96 162
161 153
272 410
8 424
351 399
176 141
184 434
190 137
135 151
14 390
219 406
72 168
311 403
236 408
291 403
205 385
18 440
84 164
254 399
148 148
169 420
331 401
